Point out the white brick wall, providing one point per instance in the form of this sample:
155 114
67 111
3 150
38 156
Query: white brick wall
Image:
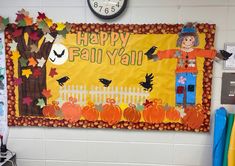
79 147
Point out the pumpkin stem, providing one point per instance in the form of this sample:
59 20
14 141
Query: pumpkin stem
110 101
157 101
55 103
113 101
198 108
70 99
132 105
91 104
75 100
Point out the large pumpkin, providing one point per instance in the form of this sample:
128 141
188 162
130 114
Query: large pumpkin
131 114
154 112
172 114
194 116
51 109
111 112
71 111
90 113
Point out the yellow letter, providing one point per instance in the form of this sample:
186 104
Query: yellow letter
73 51
112 56
113 38
94 38
82 37
124 38
103 38
85 54
140 58
93 50
133 57
99 56
125 59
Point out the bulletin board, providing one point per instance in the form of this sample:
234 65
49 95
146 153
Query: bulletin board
132 76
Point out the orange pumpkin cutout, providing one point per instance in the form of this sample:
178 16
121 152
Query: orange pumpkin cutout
194 117
172 114
111 113
154 112
131 114
90 113
51 109
71 111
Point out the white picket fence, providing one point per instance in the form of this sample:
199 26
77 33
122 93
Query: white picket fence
78 92
98 94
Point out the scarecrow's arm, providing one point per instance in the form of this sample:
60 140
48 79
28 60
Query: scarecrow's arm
166 54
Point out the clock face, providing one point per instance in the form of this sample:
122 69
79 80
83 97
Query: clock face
107 9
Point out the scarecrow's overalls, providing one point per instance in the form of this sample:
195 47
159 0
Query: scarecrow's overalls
186 72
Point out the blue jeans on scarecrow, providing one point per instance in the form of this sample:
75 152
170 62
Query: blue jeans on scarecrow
186 84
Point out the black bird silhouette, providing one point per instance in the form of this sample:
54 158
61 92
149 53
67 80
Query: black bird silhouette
224 55
105 82
148 86
62 80
58 55
150 52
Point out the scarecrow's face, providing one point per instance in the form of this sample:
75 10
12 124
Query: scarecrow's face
188 42
58 54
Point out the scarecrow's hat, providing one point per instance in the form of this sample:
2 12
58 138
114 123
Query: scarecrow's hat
189 29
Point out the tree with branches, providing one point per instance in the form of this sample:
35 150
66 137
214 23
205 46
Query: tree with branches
31 46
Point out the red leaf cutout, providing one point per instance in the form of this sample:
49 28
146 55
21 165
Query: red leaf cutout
17 32
34 36
53 72
37 72
19 17
41 16
147 103
46 93
17 81
27 100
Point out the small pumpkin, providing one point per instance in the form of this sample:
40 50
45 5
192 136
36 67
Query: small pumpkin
71 111
111 112
194 117
51 109
59 114
172 114
154 111
131 114
90 113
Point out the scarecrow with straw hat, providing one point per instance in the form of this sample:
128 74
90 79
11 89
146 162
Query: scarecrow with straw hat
186 70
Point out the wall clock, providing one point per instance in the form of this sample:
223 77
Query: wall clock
107 9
